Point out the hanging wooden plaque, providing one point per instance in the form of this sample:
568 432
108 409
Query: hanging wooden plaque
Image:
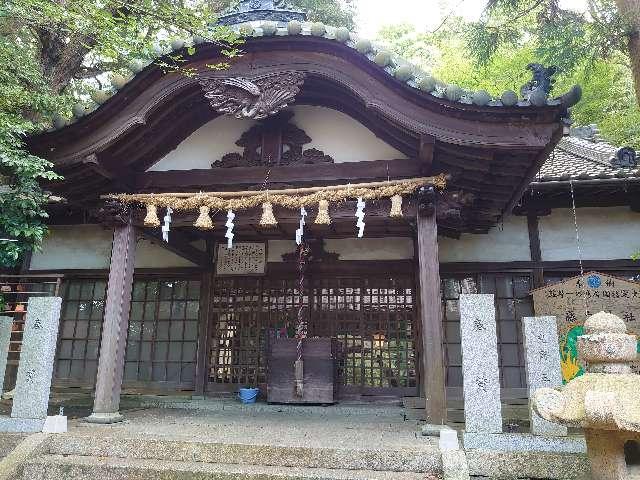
243 259
574 299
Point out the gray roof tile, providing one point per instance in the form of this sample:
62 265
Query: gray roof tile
580 159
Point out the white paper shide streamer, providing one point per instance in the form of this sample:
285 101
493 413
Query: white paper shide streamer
229 235
360 216
300 231
167 224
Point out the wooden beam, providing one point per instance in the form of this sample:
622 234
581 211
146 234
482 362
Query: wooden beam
536 252
121 180
319 174
106 405
204 319
431 317
426 152
178 244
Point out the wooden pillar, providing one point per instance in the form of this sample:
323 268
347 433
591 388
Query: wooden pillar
106 405
534 247
204 332
433 376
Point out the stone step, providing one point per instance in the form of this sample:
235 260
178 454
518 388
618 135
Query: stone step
57 467
424 459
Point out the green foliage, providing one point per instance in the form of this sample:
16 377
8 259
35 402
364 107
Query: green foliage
607 100
338 13
562 37
608 95
54 52
24 98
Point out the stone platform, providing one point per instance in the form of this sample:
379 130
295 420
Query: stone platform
243 442
213 439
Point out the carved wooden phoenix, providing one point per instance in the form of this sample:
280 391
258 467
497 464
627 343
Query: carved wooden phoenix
256 98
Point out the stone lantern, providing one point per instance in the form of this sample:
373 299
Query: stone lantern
605 401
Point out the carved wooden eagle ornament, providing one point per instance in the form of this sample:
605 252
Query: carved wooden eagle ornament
256 98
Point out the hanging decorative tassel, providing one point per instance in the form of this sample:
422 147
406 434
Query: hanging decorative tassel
204 221
303 222
396 207
323 217
229 235
360 216
167 224
152 220
268 218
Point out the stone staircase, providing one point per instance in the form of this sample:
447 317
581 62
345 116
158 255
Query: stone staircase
110 457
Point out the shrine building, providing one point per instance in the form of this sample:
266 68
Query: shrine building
321 186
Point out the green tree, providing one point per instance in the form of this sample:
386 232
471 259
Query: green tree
608 95
609 29
339 13
54 52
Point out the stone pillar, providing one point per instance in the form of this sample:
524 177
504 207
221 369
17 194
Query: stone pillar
542 359
433 377
606 454
33 384
481 382
6 323
116 323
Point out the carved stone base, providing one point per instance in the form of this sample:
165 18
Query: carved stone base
104 418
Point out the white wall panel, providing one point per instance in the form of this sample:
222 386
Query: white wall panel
605 234
390 248
503 243
88 247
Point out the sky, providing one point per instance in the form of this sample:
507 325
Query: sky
423 14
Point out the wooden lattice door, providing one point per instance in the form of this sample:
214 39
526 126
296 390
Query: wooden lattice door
372 317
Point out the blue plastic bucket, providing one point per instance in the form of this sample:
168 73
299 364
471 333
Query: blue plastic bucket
248 395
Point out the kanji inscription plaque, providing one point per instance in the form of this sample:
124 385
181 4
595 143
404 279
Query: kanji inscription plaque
573 300
242 259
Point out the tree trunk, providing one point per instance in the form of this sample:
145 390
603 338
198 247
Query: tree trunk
61 60
630 12
634 53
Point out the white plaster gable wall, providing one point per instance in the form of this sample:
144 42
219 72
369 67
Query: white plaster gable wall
333 132
85 247
504 243
341 137
605 234
207 144
389 248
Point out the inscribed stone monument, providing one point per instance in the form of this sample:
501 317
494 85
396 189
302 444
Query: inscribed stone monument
542 366
482 408
573 300
5 337
33 384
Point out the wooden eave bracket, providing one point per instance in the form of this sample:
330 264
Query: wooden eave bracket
426 153
119 179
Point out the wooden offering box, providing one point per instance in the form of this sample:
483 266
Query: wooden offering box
319 356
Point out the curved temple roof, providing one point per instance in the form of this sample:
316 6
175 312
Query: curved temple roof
393 65
492 148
